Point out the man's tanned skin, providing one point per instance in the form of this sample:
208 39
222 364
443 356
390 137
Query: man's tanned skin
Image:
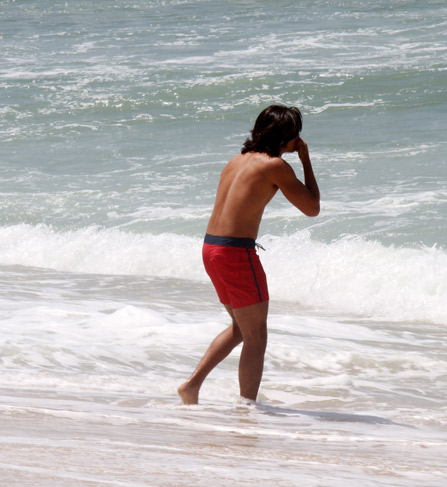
247 184
249 181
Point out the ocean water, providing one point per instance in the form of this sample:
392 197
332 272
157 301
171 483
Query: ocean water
116 118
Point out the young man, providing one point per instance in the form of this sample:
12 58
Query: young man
247 184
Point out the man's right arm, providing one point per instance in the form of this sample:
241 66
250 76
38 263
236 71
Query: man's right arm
305 197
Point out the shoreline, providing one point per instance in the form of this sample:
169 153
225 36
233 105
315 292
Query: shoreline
175 445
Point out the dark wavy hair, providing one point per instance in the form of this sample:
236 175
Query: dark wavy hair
275 126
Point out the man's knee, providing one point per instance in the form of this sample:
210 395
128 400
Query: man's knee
257 336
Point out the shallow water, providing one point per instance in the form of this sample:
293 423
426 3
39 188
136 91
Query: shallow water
91 364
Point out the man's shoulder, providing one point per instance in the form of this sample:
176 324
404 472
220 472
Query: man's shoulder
279 171
261 163
260 157
278 164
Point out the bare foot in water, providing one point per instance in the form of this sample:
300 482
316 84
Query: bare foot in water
189 394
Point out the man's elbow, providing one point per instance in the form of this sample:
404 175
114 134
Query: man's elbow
313 210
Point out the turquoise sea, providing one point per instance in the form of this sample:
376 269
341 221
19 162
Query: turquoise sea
116 118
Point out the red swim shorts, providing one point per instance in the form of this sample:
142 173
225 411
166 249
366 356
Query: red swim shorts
235 270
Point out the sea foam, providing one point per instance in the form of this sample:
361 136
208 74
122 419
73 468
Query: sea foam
352 276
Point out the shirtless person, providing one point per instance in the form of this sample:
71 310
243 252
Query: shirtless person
247 184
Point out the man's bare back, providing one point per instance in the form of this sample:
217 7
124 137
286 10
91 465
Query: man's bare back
243 192
247 184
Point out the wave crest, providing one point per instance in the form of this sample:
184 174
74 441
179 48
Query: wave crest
350 275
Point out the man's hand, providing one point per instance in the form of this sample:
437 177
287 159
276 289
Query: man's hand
303 152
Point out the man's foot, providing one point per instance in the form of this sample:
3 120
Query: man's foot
189 394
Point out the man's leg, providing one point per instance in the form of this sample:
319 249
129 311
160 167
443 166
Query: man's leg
252 322
220 348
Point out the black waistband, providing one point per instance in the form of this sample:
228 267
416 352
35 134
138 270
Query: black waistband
244 243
